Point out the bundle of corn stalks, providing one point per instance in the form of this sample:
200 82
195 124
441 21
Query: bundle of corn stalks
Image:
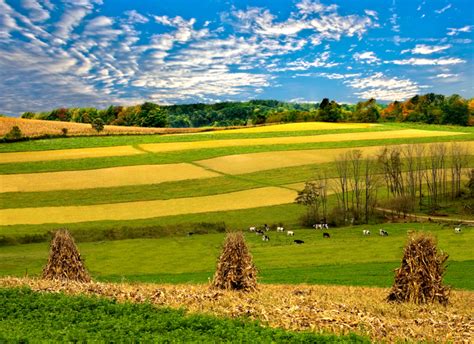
420 277
64 262
235 269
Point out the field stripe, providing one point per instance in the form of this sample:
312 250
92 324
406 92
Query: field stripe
247 199
64 154
255 162
105 177
394 134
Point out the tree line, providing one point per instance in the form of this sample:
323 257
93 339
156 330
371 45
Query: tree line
415 178
430 108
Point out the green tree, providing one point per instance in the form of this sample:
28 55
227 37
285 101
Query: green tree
98 124
329 111
455 111
367 111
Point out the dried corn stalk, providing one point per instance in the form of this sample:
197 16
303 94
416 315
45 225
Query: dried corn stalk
420 277
64 262
235 268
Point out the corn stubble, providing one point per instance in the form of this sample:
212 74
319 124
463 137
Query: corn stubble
64 262
235 268
419 279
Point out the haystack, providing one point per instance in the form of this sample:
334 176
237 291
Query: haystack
64 261
420 277
235 268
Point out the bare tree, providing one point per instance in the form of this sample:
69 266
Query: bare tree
459 161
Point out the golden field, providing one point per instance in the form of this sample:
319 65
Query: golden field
101 178
253 198
336 309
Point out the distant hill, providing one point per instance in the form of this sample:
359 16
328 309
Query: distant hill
429 108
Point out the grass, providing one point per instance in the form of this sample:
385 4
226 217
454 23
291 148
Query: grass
346 258
196 155
29 316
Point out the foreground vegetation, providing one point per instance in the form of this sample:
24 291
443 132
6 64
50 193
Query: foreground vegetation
28 316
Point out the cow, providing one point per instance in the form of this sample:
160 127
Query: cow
280 229
190 233
457 230
290 233
298 242
325 225
326 235
252 229
383 232
366 232
318 226
265 226
259 232
265 238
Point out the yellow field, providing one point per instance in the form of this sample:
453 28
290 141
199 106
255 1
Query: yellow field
247 199
318 308
254 162
299 127
397 134
101 178
64 154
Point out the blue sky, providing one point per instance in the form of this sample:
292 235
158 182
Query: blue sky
99 52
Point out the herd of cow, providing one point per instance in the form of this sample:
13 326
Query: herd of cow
321 226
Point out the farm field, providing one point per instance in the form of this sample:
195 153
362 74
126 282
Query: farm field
203 183
131 202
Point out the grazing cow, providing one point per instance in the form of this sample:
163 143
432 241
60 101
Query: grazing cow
457 230
326 235
383 232
266 227
366 232
280 229
265 238
318 226
290 233
259 232
298 242
190 233
325 225
252 229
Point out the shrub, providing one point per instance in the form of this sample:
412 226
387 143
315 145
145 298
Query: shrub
98 124
14 134
420 277
64 261
235 268
64 131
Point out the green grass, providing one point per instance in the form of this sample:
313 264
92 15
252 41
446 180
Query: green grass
43 317
346 258
195 155
121 140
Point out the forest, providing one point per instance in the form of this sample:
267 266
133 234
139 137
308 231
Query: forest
430 108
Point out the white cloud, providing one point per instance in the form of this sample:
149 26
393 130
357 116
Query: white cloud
445 8
306 7
300 64
455 32
36 11
381 87
372 13
135 17
442 61
445 75
366 57
424 49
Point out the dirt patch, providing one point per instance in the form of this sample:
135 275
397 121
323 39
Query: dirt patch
340 309
101 178
247 199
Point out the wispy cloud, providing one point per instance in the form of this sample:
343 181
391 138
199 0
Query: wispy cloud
368 57
455 32
424 49
442 61
444 9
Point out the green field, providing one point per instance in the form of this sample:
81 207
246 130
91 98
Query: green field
346 258
157 249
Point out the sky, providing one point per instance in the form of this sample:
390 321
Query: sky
81 53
